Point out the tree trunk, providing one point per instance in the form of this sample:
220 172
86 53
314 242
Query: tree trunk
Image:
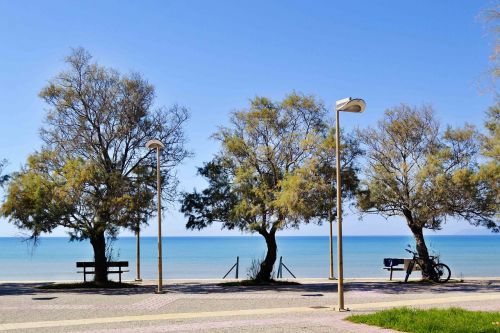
266 267
99 245
426 264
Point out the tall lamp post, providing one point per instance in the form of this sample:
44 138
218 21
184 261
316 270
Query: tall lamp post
356 105
158 145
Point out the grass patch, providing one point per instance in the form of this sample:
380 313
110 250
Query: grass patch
88 285
452 320
250 283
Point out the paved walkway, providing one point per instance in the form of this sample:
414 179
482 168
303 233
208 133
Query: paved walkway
208 307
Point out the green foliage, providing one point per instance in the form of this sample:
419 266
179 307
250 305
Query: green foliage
452 320
49 192
275 169
491 141
490 168
3 178
417 172
310 193
491 17
216 203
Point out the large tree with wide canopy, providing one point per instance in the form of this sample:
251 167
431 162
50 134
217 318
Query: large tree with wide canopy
93 175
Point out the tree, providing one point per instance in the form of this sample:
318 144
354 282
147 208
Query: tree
490 168
424 175
3 178
311 192
490 149
93 175
268 153
492 18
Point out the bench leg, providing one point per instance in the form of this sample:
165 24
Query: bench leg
120 274
84 275
408 271
390 278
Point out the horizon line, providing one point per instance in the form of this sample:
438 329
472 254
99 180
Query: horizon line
297 236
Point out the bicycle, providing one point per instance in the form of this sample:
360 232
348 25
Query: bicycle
442 271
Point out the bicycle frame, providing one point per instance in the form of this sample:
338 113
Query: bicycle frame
416 261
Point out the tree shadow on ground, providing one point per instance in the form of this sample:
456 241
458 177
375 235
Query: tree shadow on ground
21 288
486 286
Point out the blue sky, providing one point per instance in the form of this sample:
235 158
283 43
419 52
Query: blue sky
213 56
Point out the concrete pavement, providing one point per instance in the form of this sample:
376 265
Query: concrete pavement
206 306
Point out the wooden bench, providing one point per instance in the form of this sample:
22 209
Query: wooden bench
391 264
110 264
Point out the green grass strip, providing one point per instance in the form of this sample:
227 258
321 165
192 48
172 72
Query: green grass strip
452 320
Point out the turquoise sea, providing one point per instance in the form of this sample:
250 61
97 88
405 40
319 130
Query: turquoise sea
210 257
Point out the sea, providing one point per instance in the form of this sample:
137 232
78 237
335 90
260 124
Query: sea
53 258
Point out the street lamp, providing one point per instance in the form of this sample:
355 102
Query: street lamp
332 275
138 253
156 144
347 105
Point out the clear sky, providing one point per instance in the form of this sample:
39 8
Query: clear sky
213 56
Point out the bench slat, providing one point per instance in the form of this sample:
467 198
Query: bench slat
109 272
388 262
117 264
84 264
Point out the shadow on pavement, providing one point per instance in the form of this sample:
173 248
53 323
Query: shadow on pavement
11 289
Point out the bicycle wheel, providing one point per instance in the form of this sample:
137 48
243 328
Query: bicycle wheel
443 272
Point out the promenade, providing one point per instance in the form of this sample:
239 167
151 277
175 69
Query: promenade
207 306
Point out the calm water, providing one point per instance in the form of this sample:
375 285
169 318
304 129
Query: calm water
211 257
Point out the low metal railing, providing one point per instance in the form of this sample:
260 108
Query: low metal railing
280 269
237 266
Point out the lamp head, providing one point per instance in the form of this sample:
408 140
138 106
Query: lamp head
350 104
153 144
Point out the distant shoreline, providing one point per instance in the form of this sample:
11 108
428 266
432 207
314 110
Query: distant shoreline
285 236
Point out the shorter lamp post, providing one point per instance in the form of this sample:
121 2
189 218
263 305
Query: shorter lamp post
138 253
346 105
156 144
332 275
